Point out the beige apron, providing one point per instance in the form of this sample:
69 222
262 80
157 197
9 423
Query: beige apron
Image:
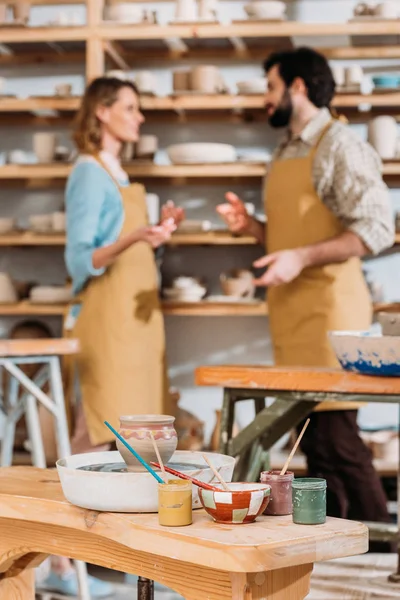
121 331
322 298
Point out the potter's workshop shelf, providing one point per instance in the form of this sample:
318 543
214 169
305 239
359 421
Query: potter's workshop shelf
147 170
46 34
178 239
18 105
28 309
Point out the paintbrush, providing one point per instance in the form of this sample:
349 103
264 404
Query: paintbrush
217 475
285 466
201 484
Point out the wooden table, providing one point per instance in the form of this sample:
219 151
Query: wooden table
296 391
271 559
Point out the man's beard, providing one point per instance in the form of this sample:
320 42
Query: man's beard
283 112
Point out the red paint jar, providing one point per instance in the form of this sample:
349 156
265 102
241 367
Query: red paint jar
281 492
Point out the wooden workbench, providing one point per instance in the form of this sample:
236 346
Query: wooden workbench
270 559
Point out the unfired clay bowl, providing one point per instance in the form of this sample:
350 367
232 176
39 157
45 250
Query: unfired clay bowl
238 284
242 504
135 429
116 490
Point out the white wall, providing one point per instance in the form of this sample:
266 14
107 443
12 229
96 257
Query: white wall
191 341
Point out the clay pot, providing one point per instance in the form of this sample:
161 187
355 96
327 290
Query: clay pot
181 81
21 12
238 283
8 294
136 430
206 79
243 503
390 323
44 146
383 135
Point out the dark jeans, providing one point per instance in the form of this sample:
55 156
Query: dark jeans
336 452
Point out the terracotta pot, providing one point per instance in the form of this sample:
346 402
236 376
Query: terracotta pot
44 146
238 283
243 503
181 81
206 79
21 12
136 430
383 135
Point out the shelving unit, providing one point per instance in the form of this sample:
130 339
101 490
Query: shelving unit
100 45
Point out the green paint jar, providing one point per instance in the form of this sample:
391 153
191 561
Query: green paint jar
309 501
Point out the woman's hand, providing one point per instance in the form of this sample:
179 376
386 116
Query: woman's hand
157 235
234 214
171 211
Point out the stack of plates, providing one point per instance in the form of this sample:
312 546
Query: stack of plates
50 295
201 153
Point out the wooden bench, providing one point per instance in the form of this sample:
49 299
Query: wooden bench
270 559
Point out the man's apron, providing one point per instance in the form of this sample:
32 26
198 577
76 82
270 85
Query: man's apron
321 298
121 366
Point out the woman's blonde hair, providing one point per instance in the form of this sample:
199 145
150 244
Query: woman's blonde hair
103 91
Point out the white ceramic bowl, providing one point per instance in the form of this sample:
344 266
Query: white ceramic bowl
125 12
252 86
265 9
130 492
50 295
367 353
201 153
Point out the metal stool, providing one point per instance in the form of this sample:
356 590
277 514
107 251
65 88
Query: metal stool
45 352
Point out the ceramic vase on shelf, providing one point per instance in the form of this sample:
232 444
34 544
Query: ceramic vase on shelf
44 146
383 135
186 10
135 429
208 10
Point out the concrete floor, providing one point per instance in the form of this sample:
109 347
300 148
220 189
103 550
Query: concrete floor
355 578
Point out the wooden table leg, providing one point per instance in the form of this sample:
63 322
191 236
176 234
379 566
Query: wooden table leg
20 586
290 583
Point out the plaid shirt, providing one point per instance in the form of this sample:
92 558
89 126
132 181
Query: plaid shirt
347 177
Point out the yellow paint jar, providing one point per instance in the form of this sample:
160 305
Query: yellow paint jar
175 503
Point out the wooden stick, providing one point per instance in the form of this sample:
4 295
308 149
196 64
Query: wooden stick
285 466
164 475
202 484
217 475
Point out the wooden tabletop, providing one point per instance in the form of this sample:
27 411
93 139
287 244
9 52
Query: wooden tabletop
35 495
295 379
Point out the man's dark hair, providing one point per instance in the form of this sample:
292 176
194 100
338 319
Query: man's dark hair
311 66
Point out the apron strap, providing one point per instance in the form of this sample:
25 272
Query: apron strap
321 137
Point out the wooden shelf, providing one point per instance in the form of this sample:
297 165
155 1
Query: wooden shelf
13 105
182 309
48 34
148 170
220 238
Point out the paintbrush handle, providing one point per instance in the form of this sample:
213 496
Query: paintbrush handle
285 466
217 475
202 484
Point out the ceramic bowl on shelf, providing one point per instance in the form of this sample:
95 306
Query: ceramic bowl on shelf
41 223
238 283
243 503
201 153
386 81
367 353
258 85
265 9
194 226
51 294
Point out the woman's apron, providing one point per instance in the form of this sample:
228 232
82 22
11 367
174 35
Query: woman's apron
121 366
321 298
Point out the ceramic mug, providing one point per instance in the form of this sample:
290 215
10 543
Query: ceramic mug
383 136
387 10
181 81
186 10
146 82
206 79
146 146
44 146
354 75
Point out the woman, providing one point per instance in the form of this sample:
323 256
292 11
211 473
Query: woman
110 258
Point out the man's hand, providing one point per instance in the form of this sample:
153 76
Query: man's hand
171 211
234 214
283 267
